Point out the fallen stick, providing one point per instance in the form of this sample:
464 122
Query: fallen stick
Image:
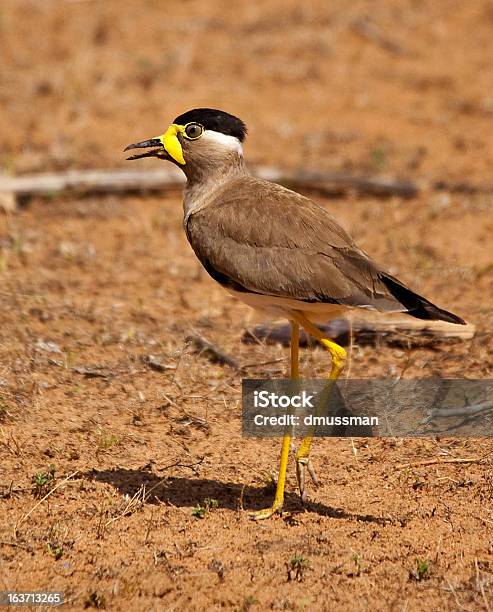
257 364
91 182
86 182
368 30
394 331
15 545
339 183
463 187
462 411
403 332
213 354
190 466
404 466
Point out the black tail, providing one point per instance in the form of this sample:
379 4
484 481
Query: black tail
416 305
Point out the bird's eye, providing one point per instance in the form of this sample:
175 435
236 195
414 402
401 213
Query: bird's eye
193 130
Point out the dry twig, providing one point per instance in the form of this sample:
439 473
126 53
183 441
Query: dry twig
50 492
404 466
170 179
397 331
213 354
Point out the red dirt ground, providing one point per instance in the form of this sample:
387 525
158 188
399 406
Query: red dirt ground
91 287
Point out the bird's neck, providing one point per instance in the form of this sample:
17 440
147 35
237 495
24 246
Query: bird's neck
204 179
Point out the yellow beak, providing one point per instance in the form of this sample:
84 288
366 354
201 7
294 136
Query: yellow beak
169 141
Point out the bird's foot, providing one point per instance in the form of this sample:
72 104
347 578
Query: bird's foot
302 464
260 515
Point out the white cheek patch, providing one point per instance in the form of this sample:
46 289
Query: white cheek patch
230 142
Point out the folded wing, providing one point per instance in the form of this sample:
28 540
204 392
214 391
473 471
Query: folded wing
284 245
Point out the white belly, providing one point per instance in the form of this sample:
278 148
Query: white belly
281 307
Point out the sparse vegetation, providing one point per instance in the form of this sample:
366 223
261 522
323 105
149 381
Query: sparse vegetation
355 558
199 512
379 159
43 481
297 566
55 549
203 509
95 600
422 570
106 440
248 602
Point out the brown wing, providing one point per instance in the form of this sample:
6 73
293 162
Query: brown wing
259 237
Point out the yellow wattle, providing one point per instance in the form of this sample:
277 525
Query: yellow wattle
172 144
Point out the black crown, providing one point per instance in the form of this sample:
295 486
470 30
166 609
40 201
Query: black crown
216 120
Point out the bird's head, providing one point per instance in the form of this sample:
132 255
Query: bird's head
199 138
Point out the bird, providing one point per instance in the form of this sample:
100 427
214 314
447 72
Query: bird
274 249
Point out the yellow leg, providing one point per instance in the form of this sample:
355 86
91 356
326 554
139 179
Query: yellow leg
294 372
286 441
338 355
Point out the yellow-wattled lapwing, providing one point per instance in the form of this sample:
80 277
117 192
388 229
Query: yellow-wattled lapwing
274 249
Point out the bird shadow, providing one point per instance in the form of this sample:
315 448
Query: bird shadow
189 492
